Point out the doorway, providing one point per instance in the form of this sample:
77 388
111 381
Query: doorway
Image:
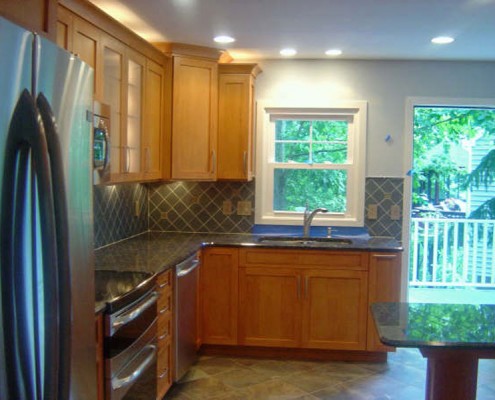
451 228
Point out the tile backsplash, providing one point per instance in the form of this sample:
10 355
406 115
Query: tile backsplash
201 206
211 207
385 193
115 209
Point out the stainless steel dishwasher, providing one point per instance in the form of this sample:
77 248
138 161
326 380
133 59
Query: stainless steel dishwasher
186 315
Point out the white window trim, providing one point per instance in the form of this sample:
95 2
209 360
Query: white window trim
357 110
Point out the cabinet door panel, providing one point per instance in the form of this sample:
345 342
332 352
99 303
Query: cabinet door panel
269 307
194 119
153 120
219 295
385 281
86 41
234 126
334 309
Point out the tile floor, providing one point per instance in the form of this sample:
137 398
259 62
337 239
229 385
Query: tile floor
401 378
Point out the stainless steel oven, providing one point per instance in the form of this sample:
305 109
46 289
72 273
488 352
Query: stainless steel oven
131 345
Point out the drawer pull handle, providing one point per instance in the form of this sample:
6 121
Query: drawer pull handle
385 256
164 310
164 336
163 374
162 285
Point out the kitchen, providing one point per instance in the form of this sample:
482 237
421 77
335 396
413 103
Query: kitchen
121 211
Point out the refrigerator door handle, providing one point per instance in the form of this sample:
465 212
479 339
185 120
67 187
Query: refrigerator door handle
27 197
62 243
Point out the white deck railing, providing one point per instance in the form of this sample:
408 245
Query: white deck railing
452 253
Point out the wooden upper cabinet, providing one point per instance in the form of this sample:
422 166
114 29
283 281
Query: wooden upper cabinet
194 118
35 15
236 121
384 286
154 124
130 78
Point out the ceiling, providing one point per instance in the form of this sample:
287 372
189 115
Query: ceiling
362 29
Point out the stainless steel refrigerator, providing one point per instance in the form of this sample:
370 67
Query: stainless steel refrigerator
47 334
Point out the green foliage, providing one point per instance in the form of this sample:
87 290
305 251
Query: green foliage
439 129
310 142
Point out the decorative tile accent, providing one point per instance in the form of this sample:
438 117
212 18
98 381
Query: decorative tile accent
197 206
384 192
114 212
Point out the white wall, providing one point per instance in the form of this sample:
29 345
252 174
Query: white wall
385 85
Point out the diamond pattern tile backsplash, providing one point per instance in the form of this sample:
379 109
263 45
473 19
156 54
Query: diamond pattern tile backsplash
384 192
211 207
201 206
115 212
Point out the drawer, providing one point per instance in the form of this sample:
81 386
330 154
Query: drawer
164 280
164 368
164 303
300 258
164 328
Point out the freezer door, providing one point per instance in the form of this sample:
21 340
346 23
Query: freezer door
66 84
15 75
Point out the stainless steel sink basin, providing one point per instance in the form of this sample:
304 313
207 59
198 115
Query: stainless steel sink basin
303 241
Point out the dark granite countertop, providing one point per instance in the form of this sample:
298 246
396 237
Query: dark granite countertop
158 251
427 325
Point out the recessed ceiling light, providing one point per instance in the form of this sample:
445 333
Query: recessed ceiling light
288 52
224 39
442 40
333 52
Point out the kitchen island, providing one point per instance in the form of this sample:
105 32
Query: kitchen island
451 336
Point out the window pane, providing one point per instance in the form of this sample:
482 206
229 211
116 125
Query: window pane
296 152
330 152
292 188
292 130
330 130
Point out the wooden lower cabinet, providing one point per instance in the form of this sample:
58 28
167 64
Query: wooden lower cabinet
334 309
270 309
164 333
296 299
384 286
219 295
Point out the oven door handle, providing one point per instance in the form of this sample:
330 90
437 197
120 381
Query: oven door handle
119 383
135 312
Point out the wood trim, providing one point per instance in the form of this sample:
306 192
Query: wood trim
252 69
293 354
92 14
183 49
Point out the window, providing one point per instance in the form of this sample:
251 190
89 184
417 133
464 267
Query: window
314 157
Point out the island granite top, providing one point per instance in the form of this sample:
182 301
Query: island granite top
426 325
158 251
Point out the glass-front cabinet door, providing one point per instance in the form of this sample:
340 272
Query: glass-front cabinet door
113 72
134 115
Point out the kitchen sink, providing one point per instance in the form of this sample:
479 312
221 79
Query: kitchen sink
298 240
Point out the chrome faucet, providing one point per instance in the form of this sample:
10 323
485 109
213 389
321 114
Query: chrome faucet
308 218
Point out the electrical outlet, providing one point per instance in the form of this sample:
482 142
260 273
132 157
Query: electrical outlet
387 196
244 207
137 208
372 211
395 212
227 207
164 215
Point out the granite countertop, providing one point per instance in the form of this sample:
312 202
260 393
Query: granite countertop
427 325
157 251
